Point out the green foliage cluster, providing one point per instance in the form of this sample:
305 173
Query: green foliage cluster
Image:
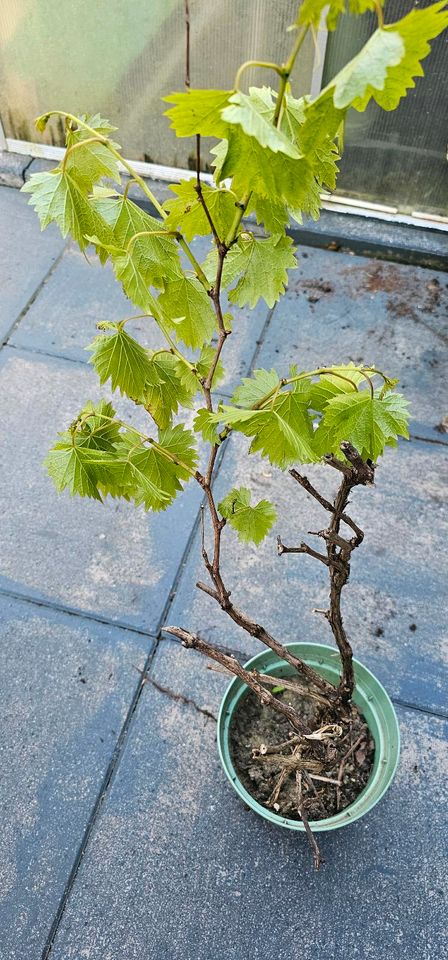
274 155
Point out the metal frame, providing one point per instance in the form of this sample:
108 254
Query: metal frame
319 57
3 141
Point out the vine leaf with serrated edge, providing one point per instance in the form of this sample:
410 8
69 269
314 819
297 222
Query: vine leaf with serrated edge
252 523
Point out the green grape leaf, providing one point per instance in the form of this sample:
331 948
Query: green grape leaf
263 265
311 10
126 219
56 196
158 253
282 432
254 112
187 213
204 363
152 477
218 152
330 385
191 379
322 124
186 305
85 459
144 262
96 427
101 126
204 423
131 269
277 177
164 390
369 423
368 70
81 468
251 523
253 389
316 144
272 214
89 162
122 360
198 111
415 31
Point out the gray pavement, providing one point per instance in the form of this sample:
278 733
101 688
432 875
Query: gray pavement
121 839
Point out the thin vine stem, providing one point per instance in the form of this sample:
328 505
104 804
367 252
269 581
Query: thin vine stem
264 64
286 381
286 73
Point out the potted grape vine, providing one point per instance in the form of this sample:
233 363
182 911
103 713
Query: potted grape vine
308 739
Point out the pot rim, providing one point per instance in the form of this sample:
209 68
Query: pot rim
369 695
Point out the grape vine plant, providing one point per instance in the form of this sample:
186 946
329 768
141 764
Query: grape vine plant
274 155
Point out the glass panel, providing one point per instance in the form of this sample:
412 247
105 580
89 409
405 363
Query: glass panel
120 58
395 158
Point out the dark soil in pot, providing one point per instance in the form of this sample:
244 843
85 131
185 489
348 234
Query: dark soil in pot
276 776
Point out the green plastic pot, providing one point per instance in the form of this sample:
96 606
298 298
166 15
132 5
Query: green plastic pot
374 704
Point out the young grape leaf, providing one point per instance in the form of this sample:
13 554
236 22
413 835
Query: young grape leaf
186 305
151 472
191 379
282 432
311 10
89 162
101 126
317 145
251 523
154 245
56 196
186 212
345 379
263 265
253 389
274 176
180 443
255 113
122 360
145 262
204 363
126 219
271 213
204 423
198 111
81 468
368 70
97 428
369 423
164 390
415 31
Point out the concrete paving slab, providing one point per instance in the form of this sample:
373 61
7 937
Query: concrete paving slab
395 602
62 321
111 560
65 688
179 869
12 168
26 255
341 307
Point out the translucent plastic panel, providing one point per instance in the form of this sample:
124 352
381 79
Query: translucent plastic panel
396 158
120 58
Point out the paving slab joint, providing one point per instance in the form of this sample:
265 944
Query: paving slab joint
33 296
101 797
